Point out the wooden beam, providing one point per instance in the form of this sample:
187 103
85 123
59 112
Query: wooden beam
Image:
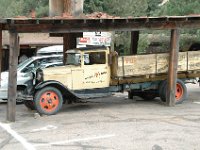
173 64
134 42
12 82
87 25
1 51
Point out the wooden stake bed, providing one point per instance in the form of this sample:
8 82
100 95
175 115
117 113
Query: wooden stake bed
154 64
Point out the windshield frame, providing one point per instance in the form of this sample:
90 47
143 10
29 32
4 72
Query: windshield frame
72 59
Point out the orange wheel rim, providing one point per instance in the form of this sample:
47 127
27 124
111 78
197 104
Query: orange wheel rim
179 91
49 101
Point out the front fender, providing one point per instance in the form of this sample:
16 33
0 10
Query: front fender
63 89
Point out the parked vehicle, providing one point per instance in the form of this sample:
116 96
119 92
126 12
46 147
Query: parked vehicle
51 50
24 72
103 73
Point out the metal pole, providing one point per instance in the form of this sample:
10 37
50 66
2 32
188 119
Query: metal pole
12 84
173 64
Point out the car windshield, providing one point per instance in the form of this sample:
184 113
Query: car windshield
73 59
24 63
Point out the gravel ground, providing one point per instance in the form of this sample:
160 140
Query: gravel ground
107 123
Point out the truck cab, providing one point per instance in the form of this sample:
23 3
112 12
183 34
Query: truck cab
86 74
85 71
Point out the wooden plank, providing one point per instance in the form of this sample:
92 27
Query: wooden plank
163 59
173 64
12 85
1 51
152 64
137 65
193 60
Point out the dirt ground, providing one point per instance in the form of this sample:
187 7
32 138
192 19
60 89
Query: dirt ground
107 123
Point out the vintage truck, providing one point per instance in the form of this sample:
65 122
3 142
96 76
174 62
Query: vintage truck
98 72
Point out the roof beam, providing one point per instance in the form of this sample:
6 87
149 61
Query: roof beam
70 26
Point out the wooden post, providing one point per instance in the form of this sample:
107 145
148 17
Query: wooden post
74 8
12 82
134 42
69 42
173 64
55 8
1 51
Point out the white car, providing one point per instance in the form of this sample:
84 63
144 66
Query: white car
24 70
56 49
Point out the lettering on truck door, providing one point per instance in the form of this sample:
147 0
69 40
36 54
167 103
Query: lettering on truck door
96 70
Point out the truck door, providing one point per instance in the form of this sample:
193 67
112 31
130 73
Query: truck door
96 71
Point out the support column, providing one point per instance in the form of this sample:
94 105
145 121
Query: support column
134 42
56 7
73 7
12 82
1 51
173 64
69 42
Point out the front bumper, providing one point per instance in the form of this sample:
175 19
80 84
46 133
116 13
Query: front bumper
24 97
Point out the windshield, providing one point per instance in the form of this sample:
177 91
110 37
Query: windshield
73 59
24 63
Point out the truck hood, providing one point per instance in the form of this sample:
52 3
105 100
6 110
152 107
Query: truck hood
57 70
58 73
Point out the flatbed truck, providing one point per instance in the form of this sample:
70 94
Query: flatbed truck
98 72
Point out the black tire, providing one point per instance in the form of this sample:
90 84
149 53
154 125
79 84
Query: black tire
148 95
161 88
29 105
179 97
130 94
48 100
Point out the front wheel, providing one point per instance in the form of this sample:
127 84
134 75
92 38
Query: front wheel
48 100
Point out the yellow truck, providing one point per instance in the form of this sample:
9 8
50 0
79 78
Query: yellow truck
97 72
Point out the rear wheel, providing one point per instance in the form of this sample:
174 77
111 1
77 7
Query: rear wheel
181 91
48 101
148 95
130 94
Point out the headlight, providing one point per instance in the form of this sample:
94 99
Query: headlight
39 75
